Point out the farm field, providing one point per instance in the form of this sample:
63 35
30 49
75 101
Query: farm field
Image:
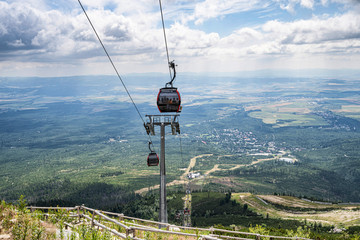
351 111
288 113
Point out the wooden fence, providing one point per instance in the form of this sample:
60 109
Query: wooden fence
130 232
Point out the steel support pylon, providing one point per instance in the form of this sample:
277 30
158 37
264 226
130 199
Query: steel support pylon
162 121
163 206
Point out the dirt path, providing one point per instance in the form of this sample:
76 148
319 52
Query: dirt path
216 166
192 164
237 166
214 169
261 160
183 177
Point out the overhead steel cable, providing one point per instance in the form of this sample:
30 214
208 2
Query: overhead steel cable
113 65
166 45
181 152
170 65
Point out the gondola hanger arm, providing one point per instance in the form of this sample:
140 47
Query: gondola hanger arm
172 66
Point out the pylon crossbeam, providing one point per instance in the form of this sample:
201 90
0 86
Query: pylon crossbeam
157 120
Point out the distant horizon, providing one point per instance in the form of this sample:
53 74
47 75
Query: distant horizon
353 74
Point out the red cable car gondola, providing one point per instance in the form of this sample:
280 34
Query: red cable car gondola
153 159
168 99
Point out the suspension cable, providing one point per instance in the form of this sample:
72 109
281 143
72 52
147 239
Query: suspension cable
170 65
181 151
166 45
113 65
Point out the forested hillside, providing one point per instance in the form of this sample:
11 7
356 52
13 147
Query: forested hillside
77 140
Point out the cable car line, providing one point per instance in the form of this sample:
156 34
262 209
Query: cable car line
167 50
162 102
181 152
113 65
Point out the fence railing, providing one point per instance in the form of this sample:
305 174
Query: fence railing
81 212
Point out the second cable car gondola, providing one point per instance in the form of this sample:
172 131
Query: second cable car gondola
168 99
153 159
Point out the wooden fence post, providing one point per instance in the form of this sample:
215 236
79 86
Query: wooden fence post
130 231
92 219
258 237
99 220
78 212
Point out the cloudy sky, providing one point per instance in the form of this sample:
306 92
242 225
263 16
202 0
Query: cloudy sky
54 38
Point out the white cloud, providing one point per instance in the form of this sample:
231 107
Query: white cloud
17 23
189 42
315 30
37 4
290 5
324 2
307 3
16 43
70 35
60 36
217 8
314 43
243 37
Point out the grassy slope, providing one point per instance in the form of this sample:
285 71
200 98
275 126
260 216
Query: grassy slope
287 207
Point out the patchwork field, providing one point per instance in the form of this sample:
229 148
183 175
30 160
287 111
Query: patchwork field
286 114
350 111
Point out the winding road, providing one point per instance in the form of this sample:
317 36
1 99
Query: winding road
183 177
192 164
